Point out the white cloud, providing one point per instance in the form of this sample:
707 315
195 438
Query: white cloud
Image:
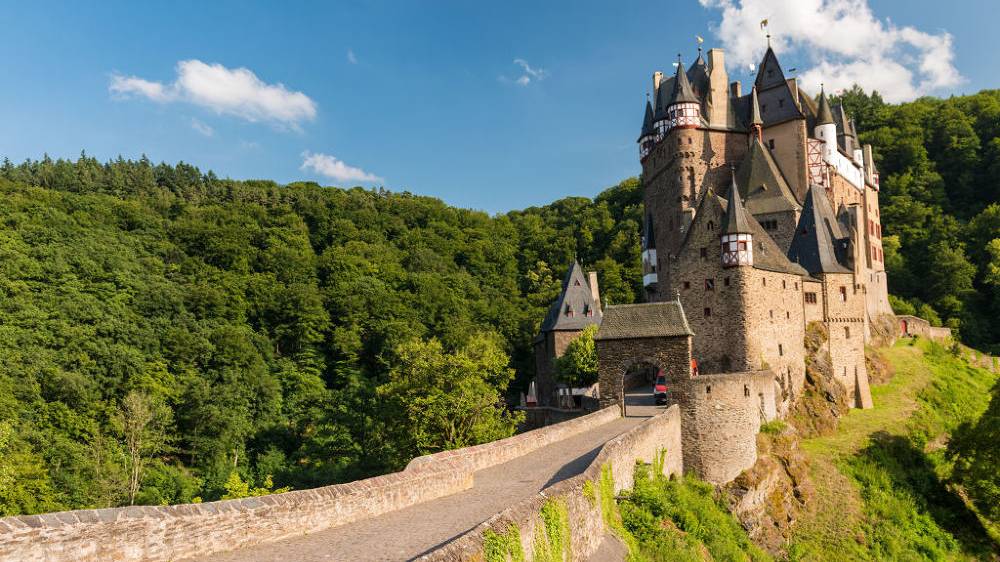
202 128
351 57
844 44
335 169
237 92
528 75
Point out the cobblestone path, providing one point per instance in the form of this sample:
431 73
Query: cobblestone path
410 532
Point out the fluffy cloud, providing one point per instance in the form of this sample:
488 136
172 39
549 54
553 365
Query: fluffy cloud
844 42
227 91
335 169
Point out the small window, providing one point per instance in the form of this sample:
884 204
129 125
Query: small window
687 285
708 312
788 314
746 391
741 245
796 285
576 282
783 285
781 349
764 281
843 294
708 389
847 332
709 284
811 298
781 103
711 225
725 281
704 253
690 140
770 143
771 313
587 311
568 310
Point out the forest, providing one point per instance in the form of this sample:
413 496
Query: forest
169 336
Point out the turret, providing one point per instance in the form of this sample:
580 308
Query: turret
647 138
737 237
720 114
649 277
756 123
683 109
826 130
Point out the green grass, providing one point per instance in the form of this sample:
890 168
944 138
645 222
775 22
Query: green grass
881 479
681 520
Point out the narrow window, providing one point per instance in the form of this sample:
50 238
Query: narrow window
569 310
587 311
788 314
764 280
796 285
811 298
771 312
709 284
687 285
783 285
711 225
781 349
781 103
689 140
708 390
843 294
847 332
704 253
770 143
725 281
746 391
708 312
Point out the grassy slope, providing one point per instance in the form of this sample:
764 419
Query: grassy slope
879 478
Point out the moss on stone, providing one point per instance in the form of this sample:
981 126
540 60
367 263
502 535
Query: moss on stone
503 547
552 537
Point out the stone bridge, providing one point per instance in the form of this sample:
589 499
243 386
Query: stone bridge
438 508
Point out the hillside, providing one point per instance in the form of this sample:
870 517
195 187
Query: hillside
172 336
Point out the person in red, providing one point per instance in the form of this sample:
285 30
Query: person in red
694 367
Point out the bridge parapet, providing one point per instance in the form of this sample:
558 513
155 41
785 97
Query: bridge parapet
181 531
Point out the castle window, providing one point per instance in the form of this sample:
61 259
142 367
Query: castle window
725 281
847 332
690 140
843 294
741 245
783 284
568 310
746 391
708 389
576 282
796 285
781 103
771 313
781 349
709 284
687 285
708 312
764 281
770 143
810 298
704 253
711 225
587 311
788 314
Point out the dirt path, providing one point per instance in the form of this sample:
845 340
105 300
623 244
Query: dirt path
410 532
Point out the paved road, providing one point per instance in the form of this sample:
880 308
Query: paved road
410 532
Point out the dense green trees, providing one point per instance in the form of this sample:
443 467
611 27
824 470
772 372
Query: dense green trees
577 366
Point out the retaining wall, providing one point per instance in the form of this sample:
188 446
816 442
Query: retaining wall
181 531
586 524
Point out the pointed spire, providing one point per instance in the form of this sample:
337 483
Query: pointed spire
755 119
647 120
823 115
735 221
682 87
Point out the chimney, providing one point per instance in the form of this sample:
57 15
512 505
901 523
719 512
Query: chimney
718 81
657 78
735 90
594 290
869 165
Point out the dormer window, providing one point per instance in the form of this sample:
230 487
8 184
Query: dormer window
568 311
587 311
711 225
576 282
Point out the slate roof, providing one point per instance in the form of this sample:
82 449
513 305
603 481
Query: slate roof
755 108
682 92
777 102
823 114
647 121
736 219
576 293
762 184
697 75
647 320
817 235
847 139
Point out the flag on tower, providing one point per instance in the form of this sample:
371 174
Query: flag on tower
700 40
763 23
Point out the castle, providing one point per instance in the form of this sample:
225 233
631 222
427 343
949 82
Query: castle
761 222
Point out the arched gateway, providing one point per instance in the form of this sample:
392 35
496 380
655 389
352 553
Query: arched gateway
654 333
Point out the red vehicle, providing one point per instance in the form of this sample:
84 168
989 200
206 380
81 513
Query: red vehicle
660 389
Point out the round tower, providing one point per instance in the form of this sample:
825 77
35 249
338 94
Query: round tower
684 109
826 130
647 138
736 235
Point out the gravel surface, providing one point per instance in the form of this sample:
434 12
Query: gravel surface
410 532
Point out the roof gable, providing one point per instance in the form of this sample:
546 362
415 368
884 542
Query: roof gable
576 294
647 320
814 244
762 184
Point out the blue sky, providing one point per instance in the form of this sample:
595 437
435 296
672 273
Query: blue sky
427 96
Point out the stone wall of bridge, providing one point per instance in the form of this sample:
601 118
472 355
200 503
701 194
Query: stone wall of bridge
180 531
659 434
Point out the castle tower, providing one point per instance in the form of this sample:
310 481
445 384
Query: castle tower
736 237
647 138
649 276
684 109
826 130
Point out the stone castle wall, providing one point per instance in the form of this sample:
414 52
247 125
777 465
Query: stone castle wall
916 326
552 345
586 524
181 531
789 152
846 321
721 416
